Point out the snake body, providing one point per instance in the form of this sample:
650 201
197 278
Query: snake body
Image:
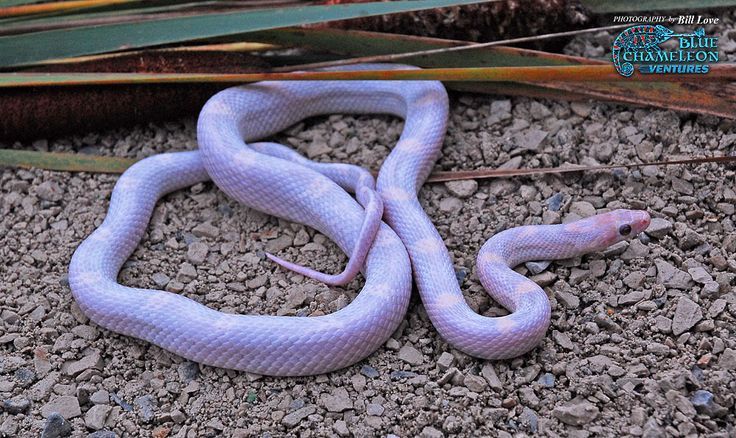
271 179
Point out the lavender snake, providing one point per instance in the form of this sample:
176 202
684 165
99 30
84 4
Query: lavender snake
270 178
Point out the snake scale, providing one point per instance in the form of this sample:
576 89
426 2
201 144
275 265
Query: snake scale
278 181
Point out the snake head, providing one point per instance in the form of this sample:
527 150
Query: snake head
619 225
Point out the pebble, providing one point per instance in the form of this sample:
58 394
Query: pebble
658 228
445 360
188 371
576 412
670 276
411 355
67 406
374 409
206 230
704 403
56 426
337 401
296 417
15 405
96 416
451 205
431 432
491 377
687 314
475 383
197 252
563 340
727 361
463 188
369 371
547 380
146 404
700 275
49 191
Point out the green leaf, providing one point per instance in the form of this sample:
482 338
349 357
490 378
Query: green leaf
70 162
28 48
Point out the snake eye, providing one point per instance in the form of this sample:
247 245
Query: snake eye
624 230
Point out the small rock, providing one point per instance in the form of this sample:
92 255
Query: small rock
631 298
690 240
92 360
369 371
451 205
56 426
411 355
445 361
188 371
431 432
547 380
337 401
700 275
658 228
489 373
563 340
462 188
341 428
100 397
374 409
687 314
49 191
670 276
727 361
475 383
206 230
703 402
67 406
537 267
96 416
681 403
197 252
576 412
146 403
294 418
554 203
160 279
582 208
15 405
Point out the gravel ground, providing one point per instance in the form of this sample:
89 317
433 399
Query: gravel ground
642 336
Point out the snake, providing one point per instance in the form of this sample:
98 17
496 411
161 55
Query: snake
383 228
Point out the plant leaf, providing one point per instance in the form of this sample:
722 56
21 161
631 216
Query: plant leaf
698 96
28 48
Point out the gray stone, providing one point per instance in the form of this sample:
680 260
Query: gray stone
92 360
146 404
582 208
576 412
727 361
56 426
431 432
704 403
475 383
687 314
49 191
690 240
96 416
279 244
206 230
563 340
489 373
160 280
337 401
681 403
547 380
188 371
369 371
186 273
294 418
634 280
670 276
341 428
67 406
374 409
658 228
197 252
700 275
567 299
631 298
411 355
445 360
537 267
15 405
450 205
101 397
462 188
